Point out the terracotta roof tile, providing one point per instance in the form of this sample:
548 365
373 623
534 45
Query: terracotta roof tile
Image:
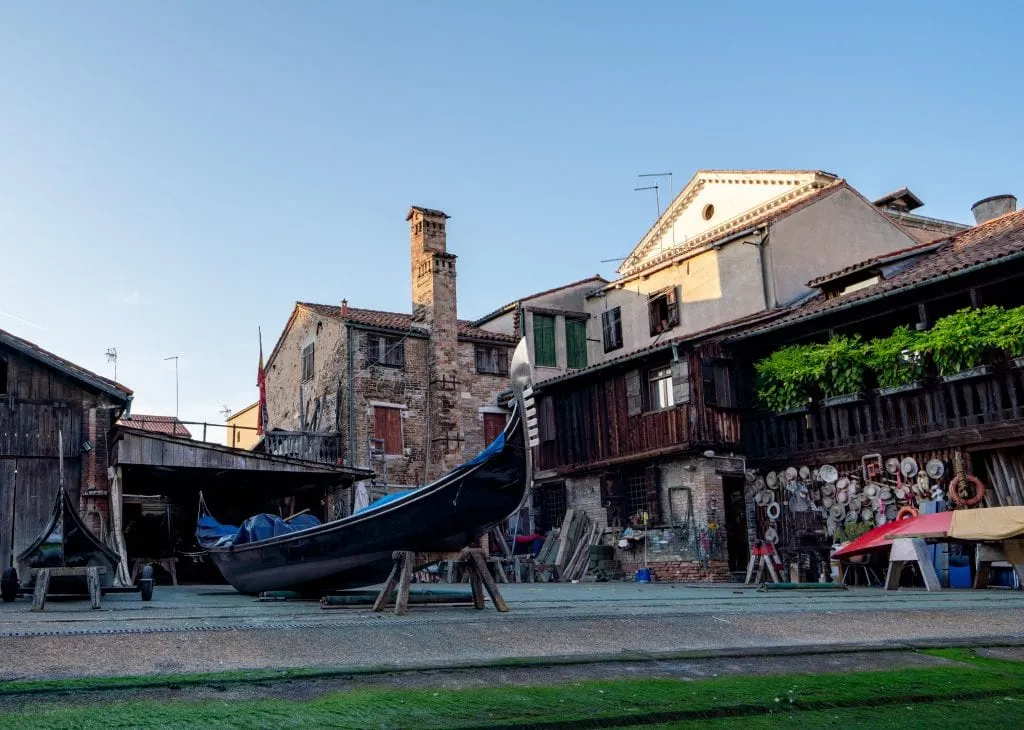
167 425
993 240
75 371
401 322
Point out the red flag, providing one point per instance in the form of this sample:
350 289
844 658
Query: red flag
261 381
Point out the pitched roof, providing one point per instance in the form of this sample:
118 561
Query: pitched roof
34 351
167 425
741 223
999 239
872 262
904 194
400 322
428 211
597 278
636 261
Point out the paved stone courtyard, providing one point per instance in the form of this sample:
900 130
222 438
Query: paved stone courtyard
213 628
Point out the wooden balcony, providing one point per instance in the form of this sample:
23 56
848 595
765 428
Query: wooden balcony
321 448
593 437
974 407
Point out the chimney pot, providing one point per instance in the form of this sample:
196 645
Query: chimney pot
989 208
344 307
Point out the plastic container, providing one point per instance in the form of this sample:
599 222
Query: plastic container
643 575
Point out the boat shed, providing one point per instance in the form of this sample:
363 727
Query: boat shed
157 479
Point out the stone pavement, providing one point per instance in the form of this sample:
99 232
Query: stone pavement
212 628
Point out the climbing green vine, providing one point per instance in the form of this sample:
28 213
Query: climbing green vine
793 376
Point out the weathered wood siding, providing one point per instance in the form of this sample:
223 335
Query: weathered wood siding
592 427
38 404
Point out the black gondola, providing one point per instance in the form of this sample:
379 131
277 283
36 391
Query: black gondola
66 542
446 515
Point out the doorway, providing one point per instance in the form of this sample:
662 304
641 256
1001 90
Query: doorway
736 522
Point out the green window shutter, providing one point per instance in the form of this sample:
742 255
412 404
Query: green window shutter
575 343
544 341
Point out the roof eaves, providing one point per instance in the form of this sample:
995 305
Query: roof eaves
97 382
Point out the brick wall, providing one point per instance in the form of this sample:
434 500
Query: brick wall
680 571
94 500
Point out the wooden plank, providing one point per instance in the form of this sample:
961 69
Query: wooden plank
404 581
92 579
8 487
563 537
384 597
42 586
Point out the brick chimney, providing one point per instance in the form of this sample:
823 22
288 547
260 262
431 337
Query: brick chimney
434 304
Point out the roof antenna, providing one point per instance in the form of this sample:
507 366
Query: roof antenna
112 357
657 200
669 176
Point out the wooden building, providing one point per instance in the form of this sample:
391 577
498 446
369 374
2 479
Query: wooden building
914 435
43 398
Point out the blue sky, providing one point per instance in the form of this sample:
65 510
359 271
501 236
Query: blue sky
175 175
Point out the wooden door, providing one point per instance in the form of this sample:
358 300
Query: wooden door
37 482
494 424
8 474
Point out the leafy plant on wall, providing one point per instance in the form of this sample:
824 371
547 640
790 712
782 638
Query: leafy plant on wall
960 341
785 379
1008 332
897 359
842 366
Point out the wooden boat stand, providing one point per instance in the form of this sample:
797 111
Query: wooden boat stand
42 583
473 559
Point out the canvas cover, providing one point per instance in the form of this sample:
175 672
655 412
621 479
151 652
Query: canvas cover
992 523
211 533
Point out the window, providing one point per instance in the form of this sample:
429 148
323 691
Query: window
387 428
550 503
643 494
385 350
663 310
717 378
307 361
575 343
494 424
660 393
544 341
709 212
492 359
611 327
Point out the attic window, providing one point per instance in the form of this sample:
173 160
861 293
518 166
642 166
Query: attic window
708 212
860 285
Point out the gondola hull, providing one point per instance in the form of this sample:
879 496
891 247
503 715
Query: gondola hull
356 551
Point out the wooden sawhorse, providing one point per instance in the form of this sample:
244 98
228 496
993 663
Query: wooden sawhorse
399 581
42 583
762 556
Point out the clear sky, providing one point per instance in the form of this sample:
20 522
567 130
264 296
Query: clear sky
174 175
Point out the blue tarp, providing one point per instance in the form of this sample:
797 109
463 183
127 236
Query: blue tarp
385 499
260 527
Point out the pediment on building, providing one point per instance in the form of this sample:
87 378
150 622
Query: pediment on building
716 202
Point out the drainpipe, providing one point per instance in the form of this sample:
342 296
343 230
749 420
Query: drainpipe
759 244
351 397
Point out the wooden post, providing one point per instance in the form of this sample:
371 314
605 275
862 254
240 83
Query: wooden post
385 595
92 579
41 587
405 560
477 558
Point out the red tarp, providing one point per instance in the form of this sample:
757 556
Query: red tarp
878 538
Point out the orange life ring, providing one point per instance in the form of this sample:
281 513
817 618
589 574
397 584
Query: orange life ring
979 491
905 513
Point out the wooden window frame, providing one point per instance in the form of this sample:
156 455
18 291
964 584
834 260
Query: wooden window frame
385 350
611 328
391 416
670 296
718 376
489 415
659 374
308 362
538 362
572 363
497 355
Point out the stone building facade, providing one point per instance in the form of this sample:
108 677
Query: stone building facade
410 396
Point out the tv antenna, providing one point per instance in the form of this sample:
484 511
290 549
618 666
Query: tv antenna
112 357
669 176
657 199
225 411
175 358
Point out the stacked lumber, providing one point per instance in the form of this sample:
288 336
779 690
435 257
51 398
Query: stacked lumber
565 554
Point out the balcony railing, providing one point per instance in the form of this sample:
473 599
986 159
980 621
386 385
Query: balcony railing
322 448
976 399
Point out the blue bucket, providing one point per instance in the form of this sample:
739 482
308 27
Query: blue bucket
643 575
